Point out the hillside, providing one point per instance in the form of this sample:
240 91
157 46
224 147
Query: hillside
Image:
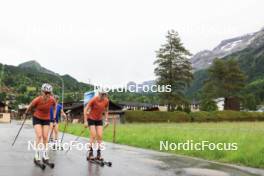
34 65
24 82
251 60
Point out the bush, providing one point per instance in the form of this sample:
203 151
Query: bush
156 116
187 109
208 105
179 108
216 116
200 116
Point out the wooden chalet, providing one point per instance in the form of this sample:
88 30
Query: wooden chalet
75 111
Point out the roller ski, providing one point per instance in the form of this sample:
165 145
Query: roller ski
107 163
38 162
45 160
91 159
95 161
99 158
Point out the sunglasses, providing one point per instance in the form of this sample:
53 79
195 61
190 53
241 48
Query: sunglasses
47 93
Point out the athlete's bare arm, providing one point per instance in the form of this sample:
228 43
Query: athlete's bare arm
106 114
86 111
29 108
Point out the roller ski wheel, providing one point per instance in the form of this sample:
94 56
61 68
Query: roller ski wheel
94 161
46 162
39 164
108 163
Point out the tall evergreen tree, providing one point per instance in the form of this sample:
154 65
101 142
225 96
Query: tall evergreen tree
173 67
225 79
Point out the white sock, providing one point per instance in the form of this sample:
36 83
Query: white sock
37 154
45 154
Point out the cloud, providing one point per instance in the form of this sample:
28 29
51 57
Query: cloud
112 42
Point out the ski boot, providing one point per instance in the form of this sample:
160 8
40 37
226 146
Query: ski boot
90 156
99 156
46 161
38 162
45 155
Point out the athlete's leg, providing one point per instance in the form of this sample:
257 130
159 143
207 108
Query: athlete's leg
38 138
99 137
51 131
45 134
99 134
92 134
38 133
92 140
56 130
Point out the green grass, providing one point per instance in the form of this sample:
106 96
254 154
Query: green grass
248 135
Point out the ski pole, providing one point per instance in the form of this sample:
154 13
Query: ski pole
76 139
64 128
106 125
25 117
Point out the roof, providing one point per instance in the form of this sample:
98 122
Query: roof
76 105
137 104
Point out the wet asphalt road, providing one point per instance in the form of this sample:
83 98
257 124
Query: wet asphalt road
127 161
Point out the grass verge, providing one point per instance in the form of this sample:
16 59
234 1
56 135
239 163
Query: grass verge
249 137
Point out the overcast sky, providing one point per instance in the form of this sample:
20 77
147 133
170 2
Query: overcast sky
114 41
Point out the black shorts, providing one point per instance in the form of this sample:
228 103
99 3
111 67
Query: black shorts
92 122
37 121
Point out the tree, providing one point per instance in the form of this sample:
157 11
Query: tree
2 96
225 80
234 79
249 102
173 68
22 89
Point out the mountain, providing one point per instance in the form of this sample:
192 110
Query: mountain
34 65
24 82
140 85
251 61
204 59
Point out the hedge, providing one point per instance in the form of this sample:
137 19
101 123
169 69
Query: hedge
200 116
156 116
